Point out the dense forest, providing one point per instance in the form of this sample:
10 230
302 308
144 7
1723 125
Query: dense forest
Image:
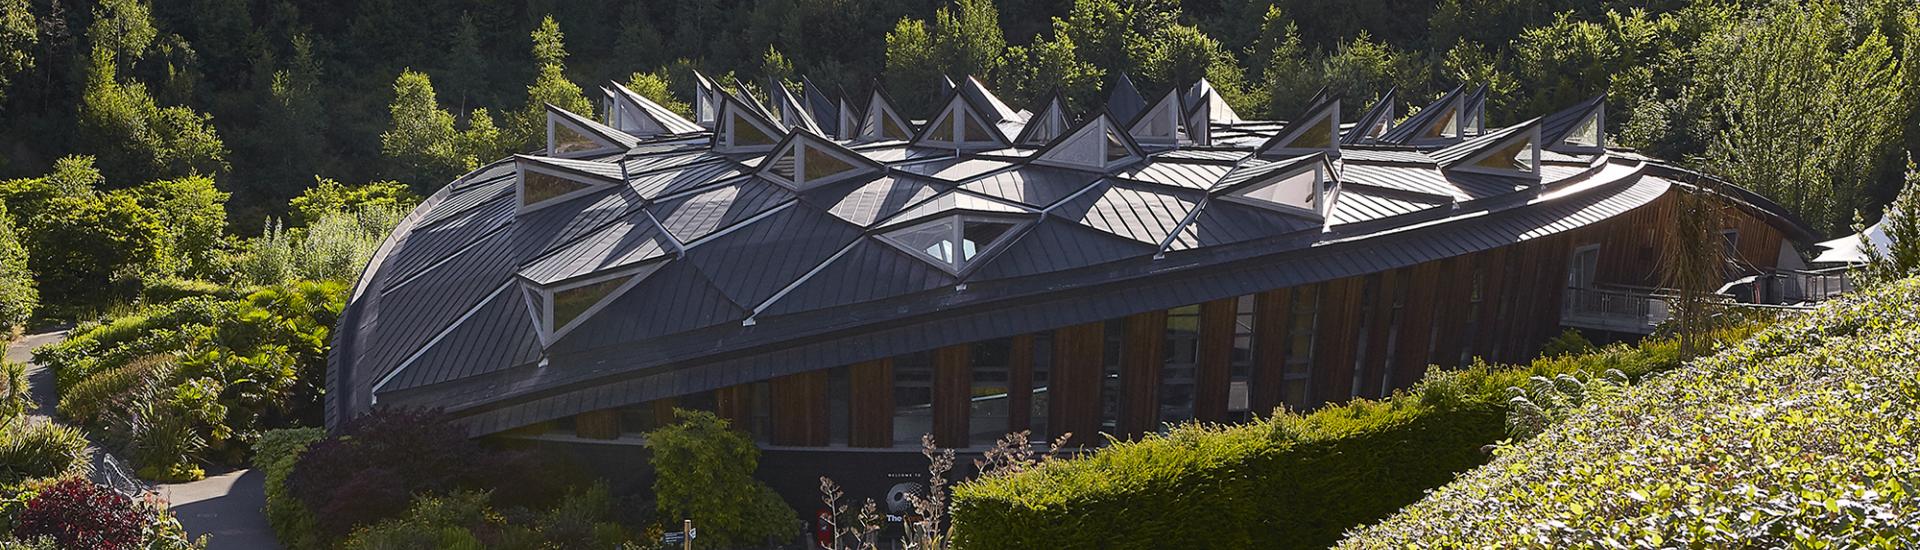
187 122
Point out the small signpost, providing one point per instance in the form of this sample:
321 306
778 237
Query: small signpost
684 537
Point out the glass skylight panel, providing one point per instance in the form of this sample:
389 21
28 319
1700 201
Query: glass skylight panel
1317 136
1295 191
1115 149
822 164
975 131
1517 156
1587 134
567 140
953 242
978 235
891 129
782 165
933 239
745 133
1447 126
572 303
539 187
944 130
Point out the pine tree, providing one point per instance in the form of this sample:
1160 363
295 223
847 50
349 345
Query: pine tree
527 129
19 35
911 66
1901 223
466 65
968 39
420 140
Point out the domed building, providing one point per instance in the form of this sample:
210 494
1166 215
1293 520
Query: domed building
838 279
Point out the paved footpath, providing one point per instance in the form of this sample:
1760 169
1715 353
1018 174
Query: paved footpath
229 508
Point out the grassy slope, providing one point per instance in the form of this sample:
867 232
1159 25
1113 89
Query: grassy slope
1803 436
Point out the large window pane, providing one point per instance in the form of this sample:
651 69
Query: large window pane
1116 330
1177 375
1042 370
1240 369
1301 328
839 413
912 398
987 414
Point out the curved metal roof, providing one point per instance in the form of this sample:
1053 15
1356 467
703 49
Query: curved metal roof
751 278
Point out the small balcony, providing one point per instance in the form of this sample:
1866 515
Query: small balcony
1626 311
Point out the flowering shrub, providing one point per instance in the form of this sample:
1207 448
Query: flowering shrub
78 514
1805 436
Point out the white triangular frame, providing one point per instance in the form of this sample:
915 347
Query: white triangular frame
849 120
981 253
959 107
706 101
793 115
879 111
1453 109
732 112
524 164
1199 126
1327 115
1470 164
1045 126
624 104
1322 196
1096 129
541 308
1599 119
557 118
1381 114
1167 111
798 144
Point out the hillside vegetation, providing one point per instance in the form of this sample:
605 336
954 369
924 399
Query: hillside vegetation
1805 436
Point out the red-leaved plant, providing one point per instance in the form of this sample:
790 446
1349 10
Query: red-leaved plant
79 514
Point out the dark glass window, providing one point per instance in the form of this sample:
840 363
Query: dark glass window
1042 369
1116 330
1302 325
912 398
1369 292
1178 374
839 390
987 414
1240 369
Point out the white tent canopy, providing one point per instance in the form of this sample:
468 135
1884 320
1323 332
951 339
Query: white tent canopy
1847 250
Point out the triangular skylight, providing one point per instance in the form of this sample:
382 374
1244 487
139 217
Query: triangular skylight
958 242
560 308
1438 122
960 126
1199 128
807 161
882 122
1473 113
706 100
1374 123
636 115
1047 125
1161 123
1297 187
741 129
543 182
1123 99
572 136
991 108
848 120
820 108
1216 109
1512 151
1097 145
1315 132
792 113
1578 129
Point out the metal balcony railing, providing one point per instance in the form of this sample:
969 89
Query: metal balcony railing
1612 310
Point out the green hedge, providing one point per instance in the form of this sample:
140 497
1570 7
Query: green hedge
1289 481
274 456
1805 436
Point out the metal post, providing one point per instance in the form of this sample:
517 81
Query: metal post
686 528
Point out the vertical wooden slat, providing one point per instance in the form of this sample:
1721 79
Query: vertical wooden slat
1020 383
1143 357
662 412
1380 326
1073 392
1492 291
1271 311
800 409
1553 280
735 404
1334 341
870 404
600 424
1214 373
952 394
1416 324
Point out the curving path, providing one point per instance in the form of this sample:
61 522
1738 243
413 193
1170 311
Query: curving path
229 507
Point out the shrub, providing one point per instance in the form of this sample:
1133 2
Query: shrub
88 402
19 296
1286 481
38 449
78 514
704 470
275 456
15 395
167 290
1807 435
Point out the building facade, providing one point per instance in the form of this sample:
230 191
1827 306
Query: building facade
838 280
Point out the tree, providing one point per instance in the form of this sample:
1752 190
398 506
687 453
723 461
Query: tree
192 213
122 29
527 128
638 44
1049 64
969 39
466 66
1468 63
136 137
1570 60
1281 63
18 295
80 245
774 67
654 86
549 44
482 141
19 35
1902 226
420 139
1184 55
328 196
911 66
703 470
1365 68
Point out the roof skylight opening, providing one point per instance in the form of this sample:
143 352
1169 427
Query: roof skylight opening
806 161
560 308
1587 134
1299 191
1517 156
1447 126
952 243
570 304
975 132
1115 149
747 134
944 131
821 164
567 141
540 187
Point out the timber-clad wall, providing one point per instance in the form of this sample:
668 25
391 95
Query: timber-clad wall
1381 331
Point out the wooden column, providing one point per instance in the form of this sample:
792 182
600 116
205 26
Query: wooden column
952 394
600 424
1553 287
870 404
1416 323
800 409
1020 383
1493 265
1214 374
1334 340
735 404
1381 327
1073 394
1451 308
1143 357
1522 323
1271 312
662 412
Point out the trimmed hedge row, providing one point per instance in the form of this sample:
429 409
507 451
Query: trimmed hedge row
1282 482
1805 436
275 456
